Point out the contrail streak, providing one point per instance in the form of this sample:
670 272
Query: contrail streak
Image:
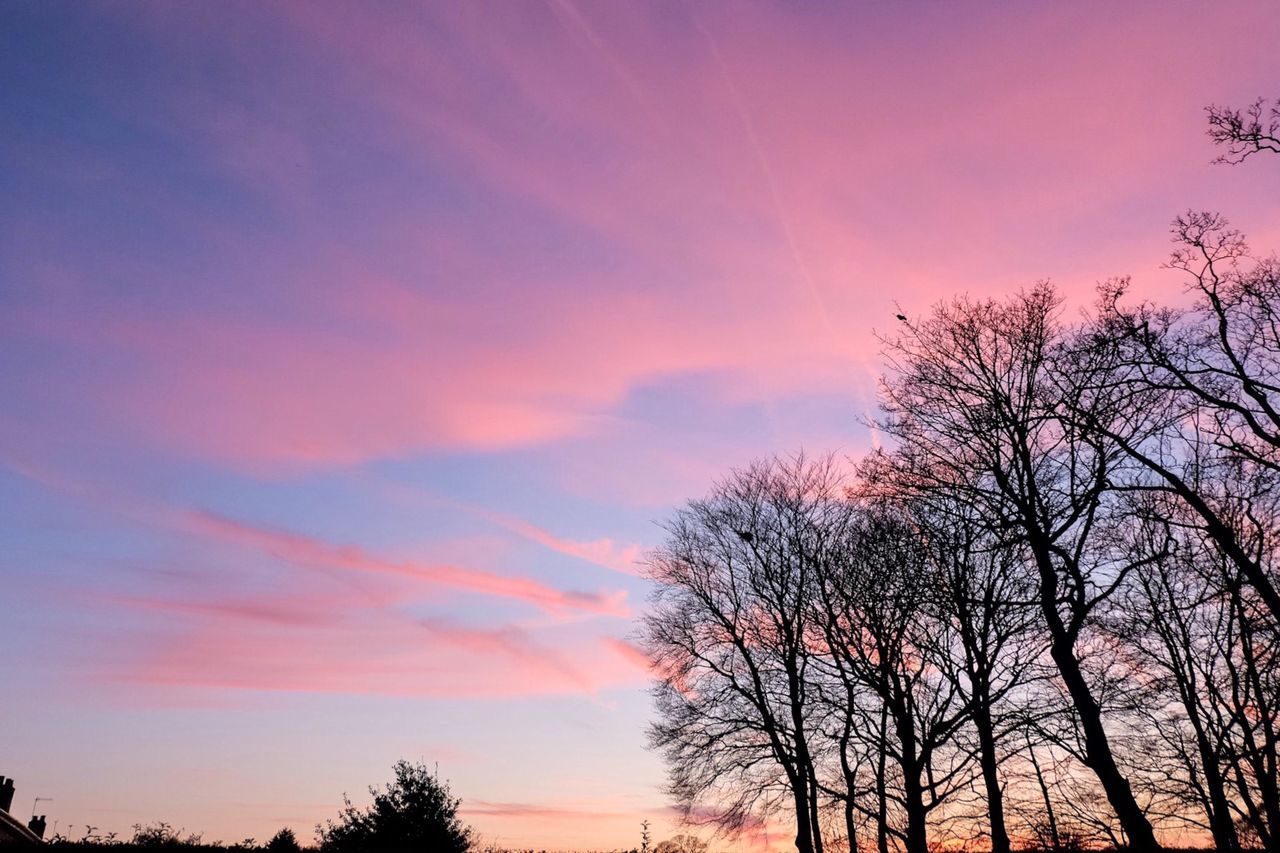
744 115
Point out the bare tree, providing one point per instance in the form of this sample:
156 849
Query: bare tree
1172 624
1214 372
1208 662
986 596
1055 602
876 608
975 401
681 844
728 635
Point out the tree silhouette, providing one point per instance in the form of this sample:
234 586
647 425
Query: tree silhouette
681 844
976 401
415 812
1253 130
283 841
729 636
1049 610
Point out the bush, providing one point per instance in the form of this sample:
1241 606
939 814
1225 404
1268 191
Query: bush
415 812
283 841
162 835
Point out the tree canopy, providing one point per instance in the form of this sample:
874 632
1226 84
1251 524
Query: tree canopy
415 812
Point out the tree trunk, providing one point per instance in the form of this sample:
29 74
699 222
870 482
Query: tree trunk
1219 810
814 816
806 796
804 838
912 789
1220 823
1050 816
1265 756
990 775
850 824
913 800
882 794
850 778
1098 755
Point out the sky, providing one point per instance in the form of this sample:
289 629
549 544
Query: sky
351 355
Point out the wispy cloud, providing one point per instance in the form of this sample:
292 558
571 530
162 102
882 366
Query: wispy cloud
605 552
537 811
331 644
631 653
309 551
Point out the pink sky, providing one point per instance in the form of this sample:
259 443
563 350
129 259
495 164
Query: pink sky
350 353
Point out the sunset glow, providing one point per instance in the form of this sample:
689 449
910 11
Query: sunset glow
352 354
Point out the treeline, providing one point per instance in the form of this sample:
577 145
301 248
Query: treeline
162 836
1046 615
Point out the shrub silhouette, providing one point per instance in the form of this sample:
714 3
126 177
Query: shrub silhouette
417 811
162 835
283 841
682 844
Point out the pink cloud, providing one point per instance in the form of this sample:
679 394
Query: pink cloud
307 551
293 612
411 372
536 812
631 653
604 552
510 641
764 196
272 644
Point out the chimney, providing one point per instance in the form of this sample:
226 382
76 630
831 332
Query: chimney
37 826
6 793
